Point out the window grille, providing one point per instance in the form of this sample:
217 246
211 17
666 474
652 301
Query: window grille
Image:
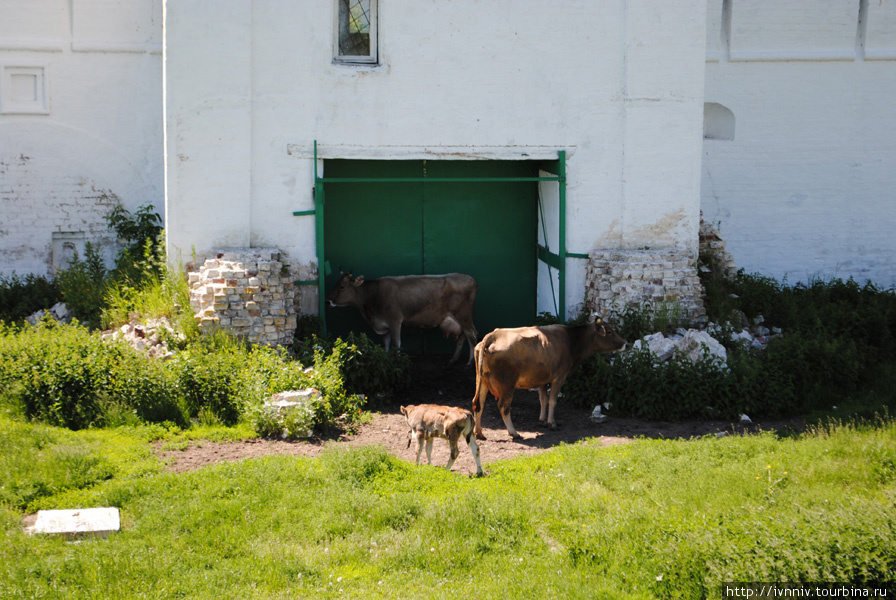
356 34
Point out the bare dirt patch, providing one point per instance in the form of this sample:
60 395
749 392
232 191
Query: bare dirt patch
434 382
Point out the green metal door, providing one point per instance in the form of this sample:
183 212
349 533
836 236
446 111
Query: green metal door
397 227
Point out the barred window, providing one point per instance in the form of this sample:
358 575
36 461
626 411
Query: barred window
356 31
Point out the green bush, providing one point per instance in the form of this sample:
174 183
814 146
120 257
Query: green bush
64 375
144 255
365 366
21 297
209 380
83 285
837 337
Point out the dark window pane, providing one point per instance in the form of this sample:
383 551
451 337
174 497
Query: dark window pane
354 27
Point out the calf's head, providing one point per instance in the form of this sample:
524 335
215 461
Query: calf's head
346 290
604 338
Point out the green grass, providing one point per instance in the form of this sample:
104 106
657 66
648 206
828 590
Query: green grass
647 519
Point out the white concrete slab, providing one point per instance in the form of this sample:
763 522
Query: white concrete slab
78 522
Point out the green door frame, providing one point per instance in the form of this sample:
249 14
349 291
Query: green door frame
558 260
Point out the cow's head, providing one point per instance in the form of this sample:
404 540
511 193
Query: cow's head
346 290
605 338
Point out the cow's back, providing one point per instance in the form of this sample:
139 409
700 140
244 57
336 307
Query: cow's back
526 356
424 300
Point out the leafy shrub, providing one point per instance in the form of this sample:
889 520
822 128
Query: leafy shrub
63 375
21 297
635 384
144 255
83 285
365 366
837 336
289 424
208 378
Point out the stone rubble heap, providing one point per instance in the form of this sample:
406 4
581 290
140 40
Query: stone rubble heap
245 292
59 311
149 337
689 343
692 342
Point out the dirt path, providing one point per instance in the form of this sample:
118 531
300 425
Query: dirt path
435 383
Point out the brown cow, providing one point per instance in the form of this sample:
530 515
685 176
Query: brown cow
387 303
429 421
534 357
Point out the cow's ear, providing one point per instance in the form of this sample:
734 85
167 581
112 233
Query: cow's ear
359 280
404 410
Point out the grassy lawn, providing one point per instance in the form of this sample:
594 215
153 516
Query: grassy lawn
641 520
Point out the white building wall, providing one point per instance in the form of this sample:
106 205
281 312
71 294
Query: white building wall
807 187
251 85
80 123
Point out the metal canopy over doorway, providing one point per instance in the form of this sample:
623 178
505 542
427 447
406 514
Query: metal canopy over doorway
549 184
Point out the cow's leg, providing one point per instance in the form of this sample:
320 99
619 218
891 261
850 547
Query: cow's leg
452 445
552 403
480 396
474 448
457 348
429 450
477 417
387 338
395 330
471 336
543 400
418 435
504 401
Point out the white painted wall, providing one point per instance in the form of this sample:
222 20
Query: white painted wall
80 122
807 187
251 85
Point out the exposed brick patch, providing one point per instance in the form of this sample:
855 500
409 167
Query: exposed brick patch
712 246
248 292
661 278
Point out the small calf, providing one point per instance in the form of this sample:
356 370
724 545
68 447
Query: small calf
429 421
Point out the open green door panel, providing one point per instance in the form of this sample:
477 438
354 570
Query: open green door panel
432 217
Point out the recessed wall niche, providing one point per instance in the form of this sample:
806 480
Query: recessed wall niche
23 90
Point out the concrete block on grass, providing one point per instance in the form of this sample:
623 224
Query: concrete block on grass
78 522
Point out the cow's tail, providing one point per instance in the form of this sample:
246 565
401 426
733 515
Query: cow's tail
481 390
479 396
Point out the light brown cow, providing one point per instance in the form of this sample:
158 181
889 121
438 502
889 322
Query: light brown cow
534 357
387 303
429 421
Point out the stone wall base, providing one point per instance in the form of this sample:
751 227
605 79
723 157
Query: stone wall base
660 280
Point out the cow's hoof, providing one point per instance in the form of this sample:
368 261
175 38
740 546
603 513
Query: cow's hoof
516 437
481 436
553 426
542 423
478 474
